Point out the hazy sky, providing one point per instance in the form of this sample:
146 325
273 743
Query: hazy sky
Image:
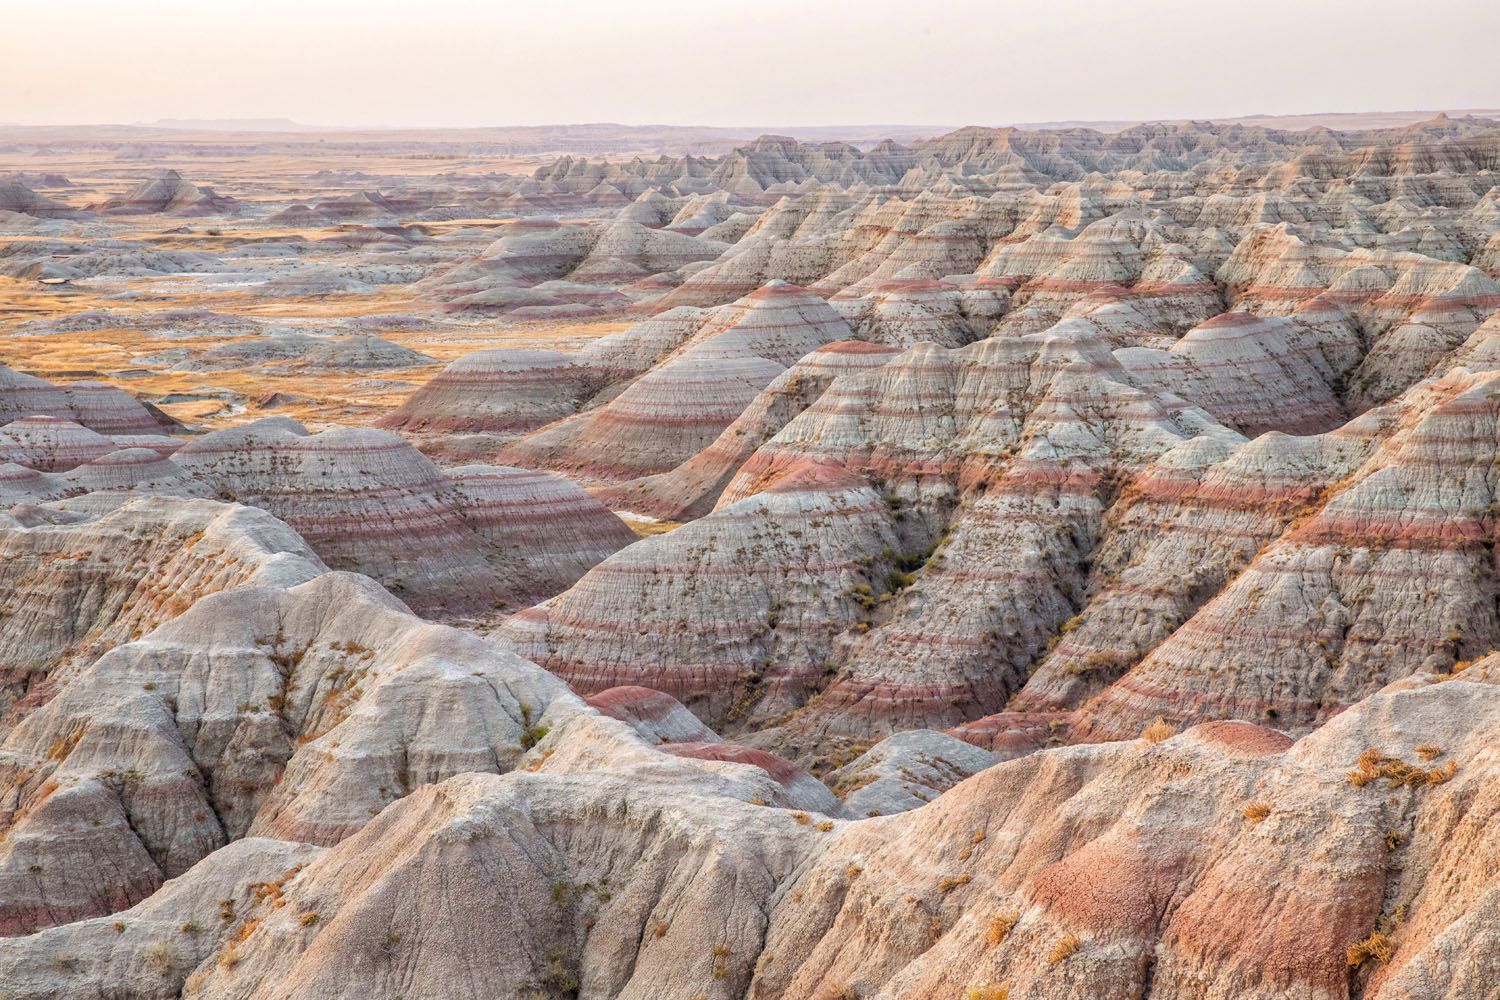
757 62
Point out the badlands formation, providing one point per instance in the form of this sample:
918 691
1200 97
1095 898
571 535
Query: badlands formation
1006 565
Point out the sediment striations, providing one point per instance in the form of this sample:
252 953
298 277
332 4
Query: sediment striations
738 631
167 192
294 712
74 586
1052 874
683 403
1084 587
693 488
367 501
99 407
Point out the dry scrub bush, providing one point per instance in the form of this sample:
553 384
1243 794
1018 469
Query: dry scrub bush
1157 731
1000 926
987 991
1372 765
1065 948
1377 946
1257 811
160 958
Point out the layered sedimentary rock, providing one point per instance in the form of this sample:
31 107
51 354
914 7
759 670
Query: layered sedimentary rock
485 399
683 403
17 196
543 267
1319 618
367 501
1121 868
543 531
903 313
1085 585
710 614
331 354
1009 470
295 712
693 488
99 407
74 585
168 192
502 391
906 771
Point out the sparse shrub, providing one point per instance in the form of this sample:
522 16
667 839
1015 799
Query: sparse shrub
947 885
1157 731
160 958
1377 946
1373 764
308 920
1066 947
1255 812
119 926
987 991
559 976
659 929
531 734
190 928
1429 751
1000 927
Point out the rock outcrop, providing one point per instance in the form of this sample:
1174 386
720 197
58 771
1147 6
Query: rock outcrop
450 545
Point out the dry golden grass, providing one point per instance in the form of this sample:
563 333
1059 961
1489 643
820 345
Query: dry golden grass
159 957
1066 947
1157 731
646 529
948 884
1000 927
987 991
327 398
1255 812
1373 765
1377 946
